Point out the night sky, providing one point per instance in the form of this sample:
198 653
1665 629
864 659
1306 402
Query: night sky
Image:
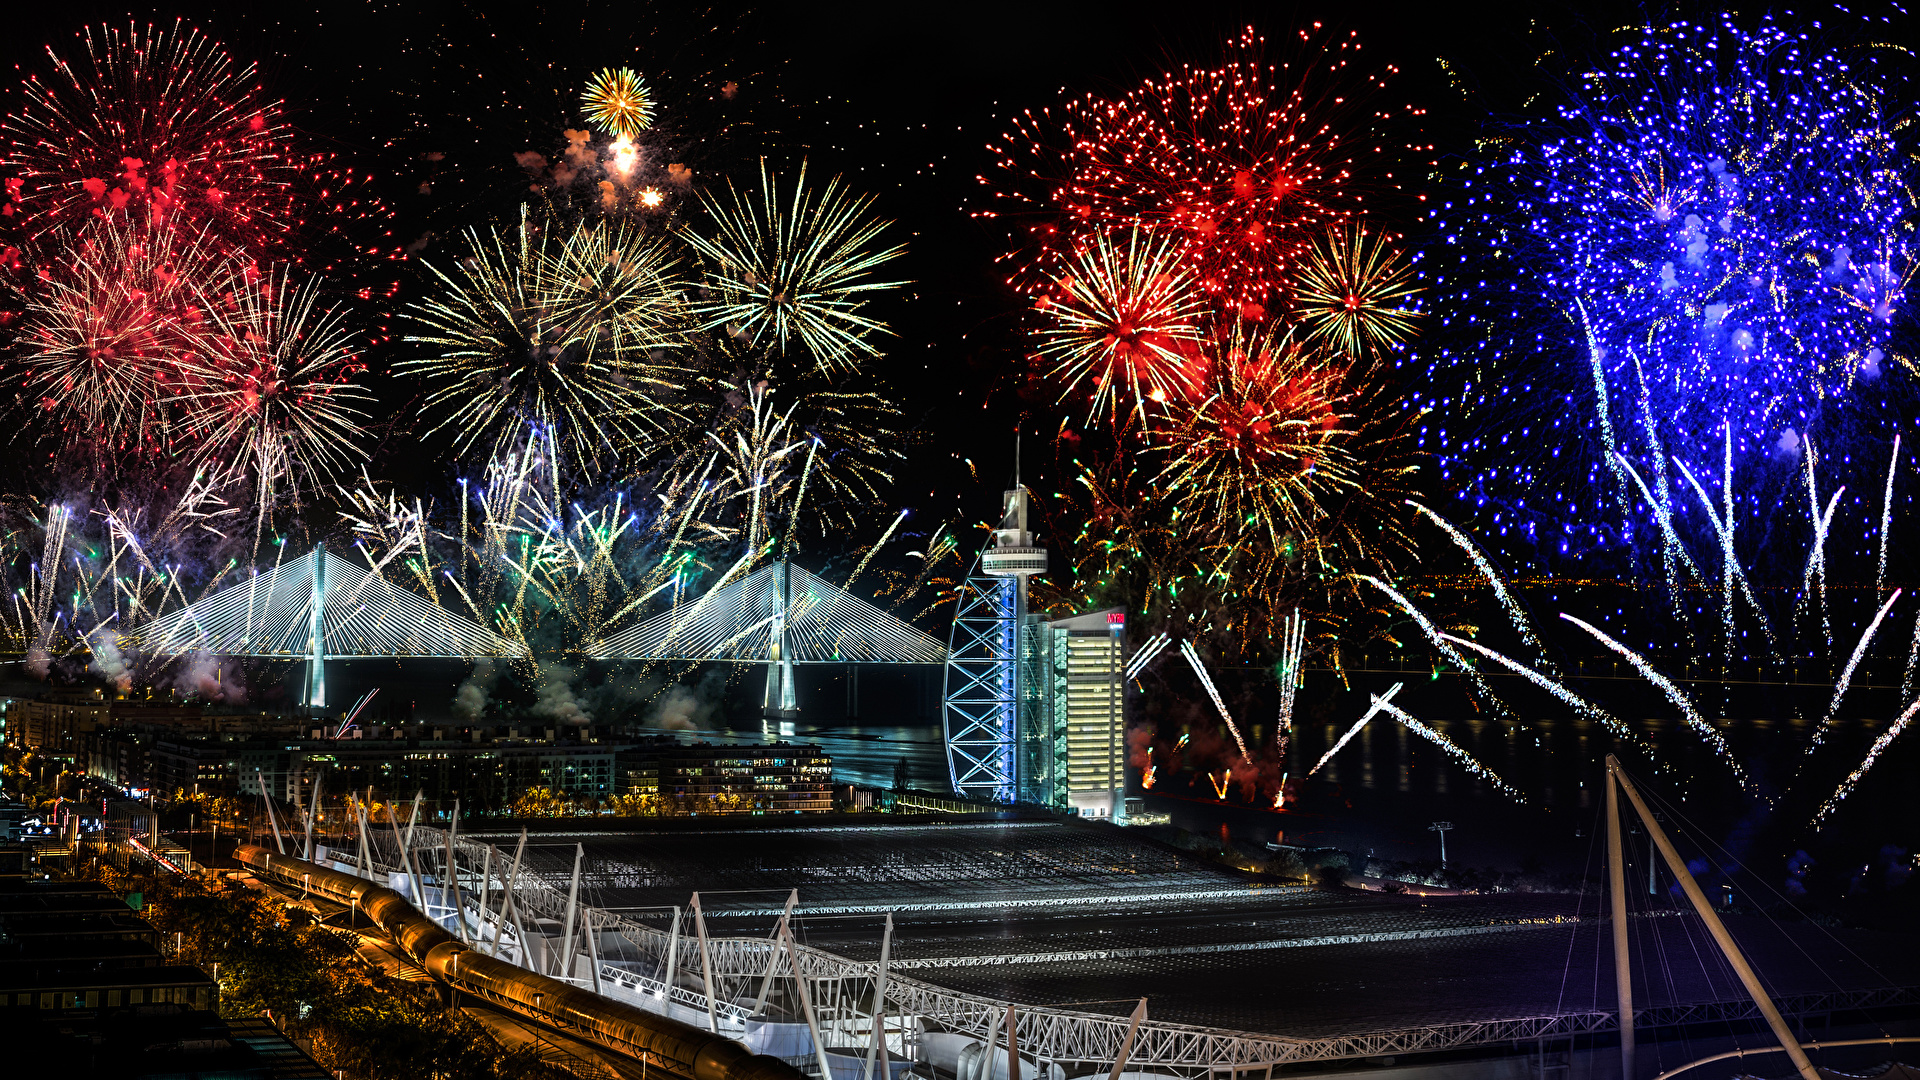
901 98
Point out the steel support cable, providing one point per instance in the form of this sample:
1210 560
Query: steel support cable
1722 852
1668 808
825 624
1573 939
363 614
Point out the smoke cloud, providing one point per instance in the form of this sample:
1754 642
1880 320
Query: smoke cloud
108 661
470 697
557 701
680 709
205 677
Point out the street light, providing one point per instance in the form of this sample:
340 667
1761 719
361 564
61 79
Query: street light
1441 827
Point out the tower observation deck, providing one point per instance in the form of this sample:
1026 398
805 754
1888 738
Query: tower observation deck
981 709
1034 706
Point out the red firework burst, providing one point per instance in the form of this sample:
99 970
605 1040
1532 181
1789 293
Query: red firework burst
108 334
1246 163
164 129
161 125
1121 323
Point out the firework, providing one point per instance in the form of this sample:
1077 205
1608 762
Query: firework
821 455
794 266
1473 766
1379 702
1271 435
618 102
1859 773
271 393
161 124
557 334
1354 292
1704 236
109 335
1122 324
1145 654
1206 681
1244 163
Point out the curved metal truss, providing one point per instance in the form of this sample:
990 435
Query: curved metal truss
511 910
781 614
360 614
981 701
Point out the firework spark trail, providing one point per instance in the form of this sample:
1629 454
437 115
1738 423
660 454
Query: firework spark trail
1610 446
1816 575
877 545
1380 701
1729 563
1873 754
1453 748
1846 675
1146 654
1913 661
1438 638
1200 669
1579 704
1514 611
46 581
1292 674
1692 715
799 500
1671 548
1822 526
1220 785
1731 572
1293 640
1886 520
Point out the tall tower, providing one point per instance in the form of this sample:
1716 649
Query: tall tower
983 691
783 701
1013 554
316 694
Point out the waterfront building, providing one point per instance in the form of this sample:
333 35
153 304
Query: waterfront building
771 778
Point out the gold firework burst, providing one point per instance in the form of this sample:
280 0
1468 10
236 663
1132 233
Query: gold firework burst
618 101
1123 320
1355 292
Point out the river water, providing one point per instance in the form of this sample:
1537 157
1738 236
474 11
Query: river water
1384 790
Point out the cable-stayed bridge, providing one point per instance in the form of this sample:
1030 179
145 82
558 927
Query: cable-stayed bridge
319 607
781 616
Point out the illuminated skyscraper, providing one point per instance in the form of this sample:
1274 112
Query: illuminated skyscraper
982 697
1034 707
1087 706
